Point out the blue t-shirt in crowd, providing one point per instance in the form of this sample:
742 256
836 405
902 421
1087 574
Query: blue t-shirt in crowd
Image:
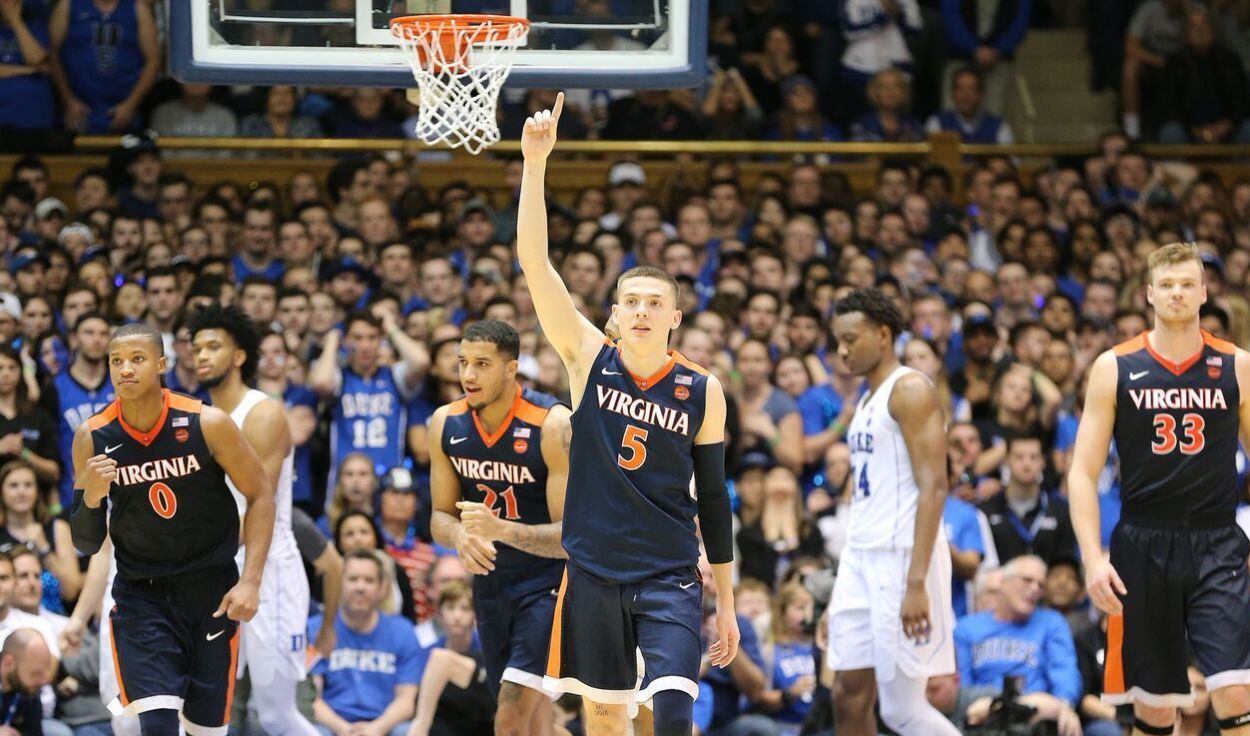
364 668
302 485
819 406
963 531
790 663
725 695
26 100
1040 650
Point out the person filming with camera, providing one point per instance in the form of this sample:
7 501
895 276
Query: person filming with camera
1018 639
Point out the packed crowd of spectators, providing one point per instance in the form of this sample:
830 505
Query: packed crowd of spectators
1010 291
789 70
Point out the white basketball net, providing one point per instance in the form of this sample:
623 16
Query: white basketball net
459 79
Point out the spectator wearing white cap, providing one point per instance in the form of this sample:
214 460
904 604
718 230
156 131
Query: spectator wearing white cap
51 215
627 182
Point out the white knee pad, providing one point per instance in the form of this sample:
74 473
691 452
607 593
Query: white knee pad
907 712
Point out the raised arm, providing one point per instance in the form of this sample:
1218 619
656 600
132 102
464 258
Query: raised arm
571 334
414 356
325 377
914 405
93 478
542 540
477 554
235 455
1093 442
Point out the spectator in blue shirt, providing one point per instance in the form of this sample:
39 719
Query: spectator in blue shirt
371 677
967 115
966 531
25 91
1018 639
987 42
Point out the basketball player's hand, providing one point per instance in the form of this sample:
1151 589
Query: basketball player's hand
477 554
240 602
725 648
538 136
480 521
98 478
1103 584
915 613
324 643
71 636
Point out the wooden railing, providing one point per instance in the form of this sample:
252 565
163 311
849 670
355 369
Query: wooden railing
584 163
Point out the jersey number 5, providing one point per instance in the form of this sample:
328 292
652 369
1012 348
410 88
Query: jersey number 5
1166 441
163 500
633 439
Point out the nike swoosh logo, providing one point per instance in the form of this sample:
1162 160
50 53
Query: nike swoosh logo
686 586
210 637
458 440
607 372
555 592
1135 376
109 450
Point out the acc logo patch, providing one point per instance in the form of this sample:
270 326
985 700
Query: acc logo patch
520 446
182 435
682 393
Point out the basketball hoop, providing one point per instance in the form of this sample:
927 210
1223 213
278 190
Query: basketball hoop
460 63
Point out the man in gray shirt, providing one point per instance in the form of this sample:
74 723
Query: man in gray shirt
1156 31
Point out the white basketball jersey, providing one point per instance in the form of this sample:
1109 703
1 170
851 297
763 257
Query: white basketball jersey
883 506
283 544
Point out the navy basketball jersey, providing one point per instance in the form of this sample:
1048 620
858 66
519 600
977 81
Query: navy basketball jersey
505 470
170 512
629 511
1176 430
75 405
101 56
369 417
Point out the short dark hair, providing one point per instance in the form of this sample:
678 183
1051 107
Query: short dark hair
342 176
875 306
1024 436
361 316
159 272
288 292
234 322
650 272
257 280
500 334
82 319
138 329
95 172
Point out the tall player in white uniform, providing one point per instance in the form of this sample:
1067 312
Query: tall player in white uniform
891 625
226 347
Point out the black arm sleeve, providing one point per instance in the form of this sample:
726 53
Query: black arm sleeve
715 517
88 526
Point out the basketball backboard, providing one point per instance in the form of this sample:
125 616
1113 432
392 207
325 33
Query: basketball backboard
572 43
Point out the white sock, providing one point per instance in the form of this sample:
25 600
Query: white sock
275 702
907 712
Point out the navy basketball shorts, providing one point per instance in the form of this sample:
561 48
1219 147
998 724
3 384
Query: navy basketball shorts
514 614
603 631
1188 601
170 653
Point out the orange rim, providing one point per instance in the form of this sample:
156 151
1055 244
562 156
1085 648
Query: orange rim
451 32
446 24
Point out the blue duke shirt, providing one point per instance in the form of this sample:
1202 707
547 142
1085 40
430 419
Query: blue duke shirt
1040 650
364 668
963 531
